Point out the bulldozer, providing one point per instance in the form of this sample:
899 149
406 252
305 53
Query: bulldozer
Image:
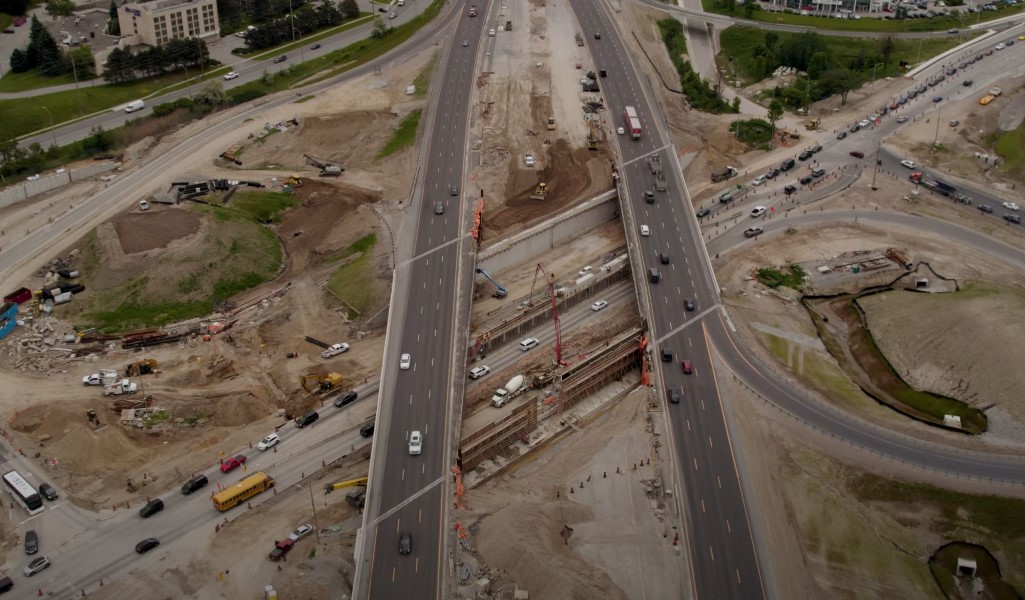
313 382
592 139
540 191
551 123
813 124
141 367
293 180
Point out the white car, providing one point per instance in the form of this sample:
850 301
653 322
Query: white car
864 123
143 205
334 350
416 443
230 76
621 131
584 271
908 163
1011 206
392 15
479 371
300 532
757 212
599 305
404 361
902 119
645 232
1000 46
528 159
268 442
758 180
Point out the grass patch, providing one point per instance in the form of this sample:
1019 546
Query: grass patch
160 416
33 80
265 207
746 46
423 79
791 276
237 254
752 131
864 24
404 136
19 117
1011 146
352 282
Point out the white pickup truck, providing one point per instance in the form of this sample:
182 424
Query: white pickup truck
121 387
334 350
104 377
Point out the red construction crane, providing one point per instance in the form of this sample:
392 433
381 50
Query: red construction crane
555 311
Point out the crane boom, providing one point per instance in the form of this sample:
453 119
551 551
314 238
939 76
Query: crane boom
550 279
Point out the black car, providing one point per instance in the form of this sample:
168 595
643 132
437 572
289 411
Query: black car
667 355
315 47
281 59
787 164
308 419
597 35
649 197
968 83
1016 219
152 507
146 545
704 211
856 128
772 173
688 304
31 542
197 482
346 398
985 208
806 180
805 155
663 257
367 430
406 538
753 232
675 396
790 189
841 135
47 491
603 73
818 172
815 149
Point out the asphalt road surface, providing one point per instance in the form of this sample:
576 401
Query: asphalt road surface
408 493
721 548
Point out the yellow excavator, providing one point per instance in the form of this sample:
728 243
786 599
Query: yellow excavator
313 382
360 481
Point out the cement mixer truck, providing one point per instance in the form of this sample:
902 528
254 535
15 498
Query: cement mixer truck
505 394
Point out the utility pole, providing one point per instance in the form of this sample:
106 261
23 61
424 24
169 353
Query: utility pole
876 172
936 138
313 505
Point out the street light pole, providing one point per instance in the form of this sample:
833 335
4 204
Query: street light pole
876 172
937 137
874 71
53 125
313 505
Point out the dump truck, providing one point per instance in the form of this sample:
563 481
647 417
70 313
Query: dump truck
723 174
813 124
324 383
507 392
141 367
104 377
551 123
124 386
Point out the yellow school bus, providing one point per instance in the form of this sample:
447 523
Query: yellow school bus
242 491
986 99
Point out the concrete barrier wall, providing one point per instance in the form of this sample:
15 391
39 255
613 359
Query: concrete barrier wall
27 189
541 238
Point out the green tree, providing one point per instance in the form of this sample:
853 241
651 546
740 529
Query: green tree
113 24
119 67
349 9
775 114
19 61
841 81
819 63
212 94
60 8
886 48
82 61
380 28
796 50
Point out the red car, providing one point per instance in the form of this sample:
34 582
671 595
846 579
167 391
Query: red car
858 154
230 464
687 367
281 549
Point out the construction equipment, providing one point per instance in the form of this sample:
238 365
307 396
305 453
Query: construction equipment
723 174
592 139
357 498
293 180
540 191
580 39
330 487
550 279
813 124
141 367
327 169
500 292
551 123
312 382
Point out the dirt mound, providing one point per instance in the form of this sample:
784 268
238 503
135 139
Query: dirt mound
319 137
239 409
571 175
142 231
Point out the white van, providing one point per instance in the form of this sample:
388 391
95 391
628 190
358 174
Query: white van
491 32
135 105
528 343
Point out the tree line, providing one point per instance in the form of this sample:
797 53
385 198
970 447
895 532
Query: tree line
303 21
124 65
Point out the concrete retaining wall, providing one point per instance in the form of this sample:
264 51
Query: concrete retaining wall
541 238
27 189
